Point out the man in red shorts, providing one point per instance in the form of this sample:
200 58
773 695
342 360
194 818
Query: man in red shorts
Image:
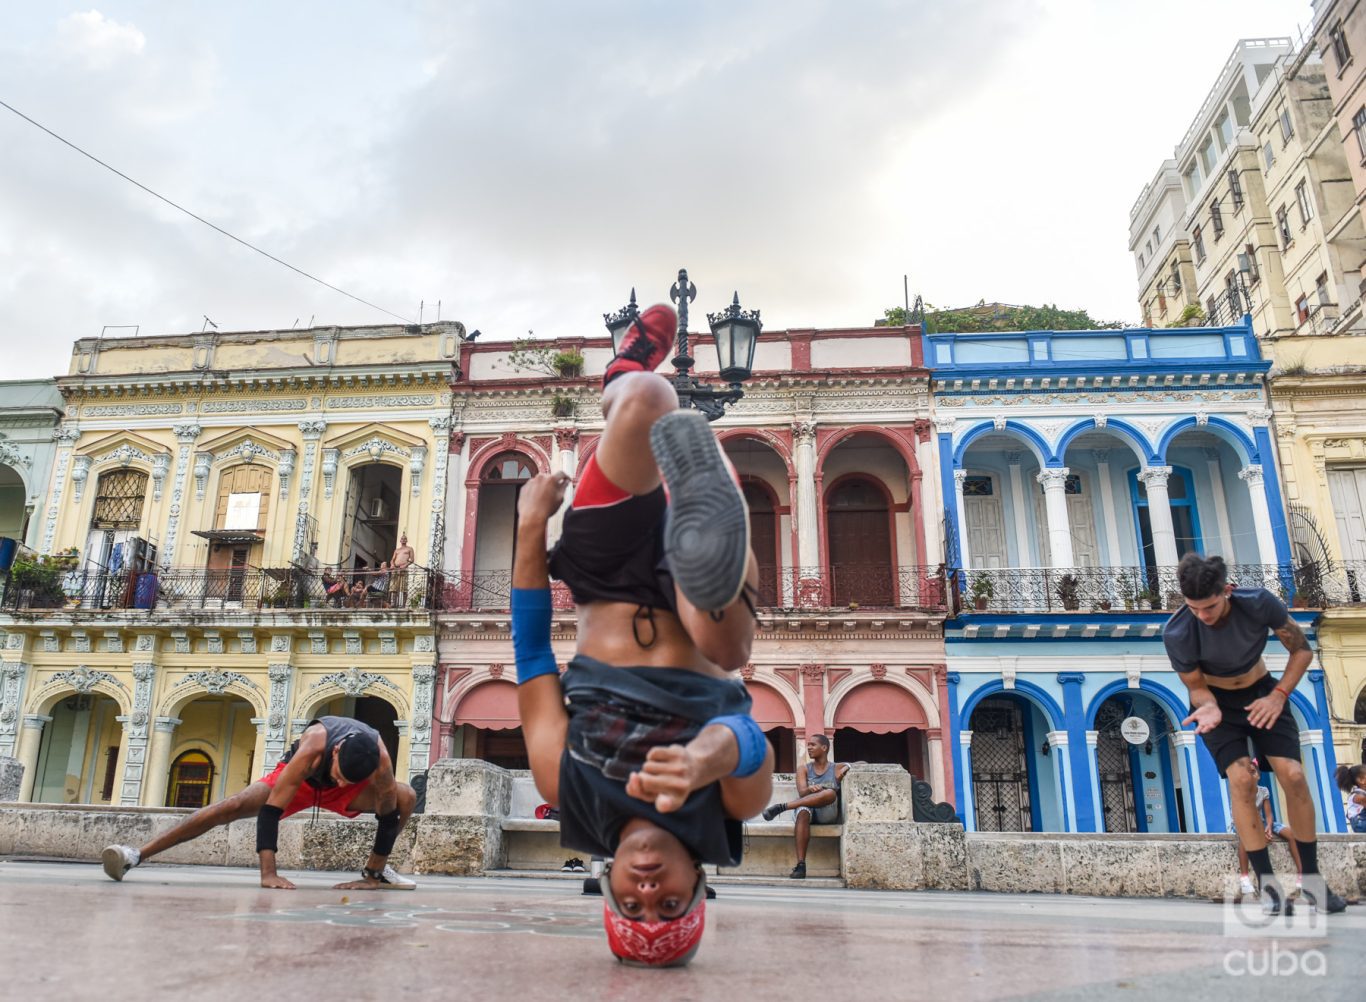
338 764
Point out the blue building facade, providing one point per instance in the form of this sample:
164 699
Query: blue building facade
1077 468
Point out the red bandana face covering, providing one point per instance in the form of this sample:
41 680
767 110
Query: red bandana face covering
654 944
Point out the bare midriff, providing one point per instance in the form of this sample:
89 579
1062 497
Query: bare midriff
606 635
1247 678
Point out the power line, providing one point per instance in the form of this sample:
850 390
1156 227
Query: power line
201 219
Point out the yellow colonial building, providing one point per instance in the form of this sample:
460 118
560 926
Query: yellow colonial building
1321 425
237 538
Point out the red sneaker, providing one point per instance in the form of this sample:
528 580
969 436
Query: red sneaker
647 344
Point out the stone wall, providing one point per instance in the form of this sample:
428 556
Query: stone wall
881 848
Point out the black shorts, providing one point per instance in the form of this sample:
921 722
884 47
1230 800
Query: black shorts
1228 742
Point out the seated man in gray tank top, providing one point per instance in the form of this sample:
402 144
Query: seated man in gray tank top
818 792
337 764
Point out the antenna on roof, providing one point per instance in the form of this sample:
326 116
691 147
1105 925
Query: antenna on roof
207 324
135 328
421 305
438 311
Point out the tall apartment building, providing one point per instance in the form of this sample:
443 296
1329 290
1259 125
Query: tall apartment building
1162 251
1340 34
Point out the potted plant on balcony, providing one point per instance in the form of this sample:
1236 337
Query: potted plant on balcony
1066 591
38 583
1143 599
569 364
983 591
562 405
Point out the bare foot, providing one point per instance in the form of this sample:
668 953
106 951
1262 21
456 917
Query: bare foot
277 883
361 885
668 775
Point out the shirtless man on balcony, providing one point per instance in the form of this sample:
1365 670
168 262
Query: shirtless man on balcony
1215 642
646 746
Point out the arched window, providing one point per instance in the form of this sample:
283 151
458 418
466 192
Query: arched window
763 540
191 780
495 527
858 525
118 500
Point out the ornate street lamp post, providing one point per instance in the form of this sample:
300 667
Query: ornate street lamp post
736 332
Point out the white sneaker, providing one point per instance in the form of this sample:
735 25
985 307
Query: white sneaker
118 860
393 879
1245 884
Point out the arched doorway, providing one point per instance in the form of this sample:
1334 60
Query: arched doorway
763 539
491 727
771 712
78 757
881 722
1139 784
220 729
495 533
12 498
376 711
1002 793
373 507
191 782
858 525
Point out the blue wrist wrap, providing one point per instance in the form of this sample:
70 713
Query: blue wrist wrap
531 633
750 737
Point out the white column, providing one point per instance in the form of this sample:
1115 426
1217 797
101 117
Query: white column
1054 480
1326 798
1160 514
1020 502
30 741
1109 515
958 477
808 526
1261 513
158 775
1224 544
1093 739
1062 775
967 807
935 750
1186 757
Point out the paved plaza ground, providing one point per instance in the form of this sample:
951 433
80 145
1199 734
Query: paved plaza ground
212 933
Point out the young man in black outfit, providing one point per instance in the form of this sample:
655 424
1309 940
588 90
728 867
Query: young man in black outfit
646 744
1215 643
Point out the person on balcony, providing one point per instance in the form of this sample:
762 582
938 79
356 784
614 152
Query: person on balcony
334 588
337 764
646 746
377 591
818 797
1215 642
399 563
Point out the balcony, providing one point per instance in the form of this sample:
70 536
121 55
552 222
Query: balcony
193 590
842 586
1136 589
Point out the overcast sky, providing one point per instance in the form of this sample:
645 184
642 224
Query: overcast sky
527 163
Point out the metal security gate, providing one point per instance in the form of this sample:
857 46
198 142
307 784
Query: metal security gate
1000 774
1116 783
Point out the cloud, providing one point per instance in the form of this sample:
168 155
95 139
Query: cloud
97 41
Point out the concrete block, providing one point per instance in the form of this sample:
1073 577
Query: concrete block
459 845
877 792
11 778
1110 868
1191 868
904 856
11 825
1014 864
468 786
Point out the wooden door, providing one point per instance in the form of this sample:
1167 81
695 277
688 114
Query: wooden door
857 522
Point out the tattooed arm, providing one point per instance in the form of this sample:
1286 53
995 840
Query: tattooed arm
1265 711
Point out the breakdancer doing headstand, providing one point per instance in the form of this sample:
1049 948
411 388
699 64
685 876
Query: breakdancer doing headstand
646 745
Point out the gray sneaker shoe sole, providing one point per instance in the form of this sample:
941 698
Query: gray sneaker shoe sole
706 538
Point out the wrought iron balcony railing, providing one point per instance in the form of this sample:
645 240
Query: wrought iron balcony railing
842 586
226 589
1106 589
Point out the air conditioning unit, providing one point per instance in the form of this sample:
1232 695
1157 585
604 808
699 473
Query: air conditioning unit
379 508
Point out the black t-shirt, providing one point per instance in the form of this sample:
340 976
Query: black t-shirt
1232 647
615 716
